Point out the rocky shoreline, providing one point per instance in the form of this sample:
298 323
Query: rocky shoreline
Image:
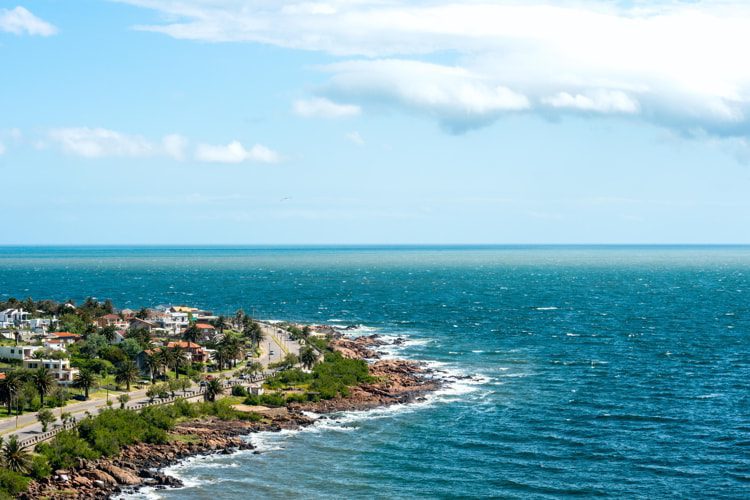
140 465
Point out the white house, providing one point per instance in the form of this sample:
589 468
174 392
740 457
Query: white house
13 317
20 352
59 368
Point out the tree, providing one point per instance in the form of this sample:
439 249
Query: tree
220 356
191 333
213 389
123 399
308 357
254 367
254 333
179 358
184 384
239 317
15 457
127 373
44 382
154 363
232 348
220 323
45 418
142 314
10 387
108 332
85 380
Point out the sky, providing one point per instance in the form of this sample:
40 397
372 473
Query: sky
374 122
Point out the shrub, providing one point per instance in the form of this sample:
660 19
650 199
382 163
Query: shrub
336 374
238 390
293 376
63 451
296 398
161 418
273 400
12 483
40 467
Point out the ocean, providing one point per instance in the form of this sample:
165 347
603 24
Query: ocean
570 371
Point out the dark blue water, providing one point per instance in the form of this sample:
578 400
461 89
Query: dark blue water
621 372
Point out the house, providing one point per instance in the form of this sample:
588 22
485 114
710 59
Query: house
13 317
54 344
20 352
140 361
128 313
118 337
137 323
59 368
206 330
41 325
112 320
67 338
195 353
174 320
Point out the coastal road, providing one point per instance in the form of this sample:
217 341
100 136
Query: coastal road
276 340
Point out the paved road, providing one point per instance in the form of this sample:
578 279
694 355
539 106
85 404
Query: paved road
277 341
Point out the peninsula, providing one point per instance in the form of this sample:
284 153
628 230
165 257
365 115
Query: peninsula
97 400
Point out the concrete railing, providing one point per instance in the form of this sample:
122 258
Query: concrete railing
72 422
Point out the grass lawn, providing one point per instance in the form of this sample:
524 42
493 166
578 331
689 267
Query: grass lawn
184 438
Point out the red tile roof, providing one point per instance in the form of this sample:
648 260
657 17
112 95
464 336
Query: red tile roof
205 326
183 344
66 335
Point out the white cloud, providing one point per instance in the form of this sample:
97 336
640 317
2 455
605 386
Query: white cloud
2 149
324 108
174 145
235 152
100 142
675 64
20 21
457 97
600 102
356 138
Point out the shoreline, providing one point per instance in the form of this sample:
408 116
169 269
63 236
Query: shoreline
141 465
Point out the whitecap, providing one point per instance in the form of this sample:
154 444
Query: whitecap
549 308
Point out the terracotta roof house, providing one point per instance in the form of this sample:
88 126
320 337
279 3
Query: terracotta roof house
66 337
196 353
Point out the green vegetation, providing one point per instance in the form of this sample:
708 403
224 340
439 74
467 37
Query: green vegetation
45 417
330 378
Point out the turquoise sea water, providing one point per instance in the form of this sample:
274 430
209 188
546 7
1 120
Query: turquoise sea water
613 371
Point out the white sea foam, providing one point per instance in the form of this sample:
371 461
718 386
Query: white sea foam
549 308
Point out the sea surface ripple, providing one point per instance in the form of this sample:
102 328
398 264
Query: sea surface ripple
613 372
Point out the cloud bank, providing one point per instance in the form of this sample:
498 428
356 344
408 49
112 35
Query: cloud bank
101 142
674 64
235 152
20 21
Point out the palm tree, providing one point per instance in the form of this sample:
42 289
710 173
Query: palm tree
308 357
179 358
85 380
213 389
10 386
254 333
43 381
232 348
127 373
154 362
191 333
15 457
108 332
239 317
220 323
220 355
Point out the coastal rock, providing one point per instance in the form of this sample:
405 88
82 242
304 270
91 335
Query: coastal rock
121 475
100 475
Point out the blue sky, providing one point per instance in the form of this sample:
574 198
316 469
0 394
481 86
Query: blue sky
258 122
